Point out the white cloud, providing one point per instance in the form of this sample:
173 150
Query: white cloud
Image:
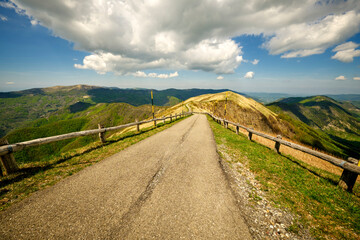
139 74
11 5
346 52
356 78
256 61
126 36
219 56
9 83
3 18
305 39
240 59
34 22
345 46
220 78
249 75
340 78
155 75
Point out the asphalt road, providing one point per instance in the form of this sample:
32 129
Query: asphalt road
168 186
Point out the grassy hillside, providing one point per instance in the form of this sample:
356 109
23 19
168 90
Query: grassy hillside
340 121
65 121
19 109
250 113
310 193
35 175
139 97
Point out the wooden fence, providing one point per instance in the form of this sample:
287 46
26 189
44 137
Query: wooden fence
6 149
350 166
347 180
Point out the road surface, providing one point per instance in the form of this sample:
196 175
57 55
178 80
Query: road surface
168 186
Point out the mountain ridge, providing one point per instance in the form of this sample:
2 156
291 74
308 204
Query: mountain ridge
19 108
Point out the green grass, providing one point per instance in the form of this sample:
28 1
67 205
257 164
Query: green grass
312 194
107 114
37 175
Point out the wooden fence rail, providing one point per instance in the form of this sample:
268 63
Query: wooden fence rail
351 169
7 149
347 180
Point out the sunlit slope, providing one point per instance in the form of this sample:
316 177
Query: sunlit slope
239 109
340 120
321 112
65 121
19 108
250 113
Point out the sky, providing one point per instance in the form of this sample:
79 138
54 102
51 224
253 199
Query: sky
283 46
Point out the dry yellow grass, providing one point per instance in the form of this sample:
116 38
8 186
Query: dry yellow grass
306 158
238 99
204 103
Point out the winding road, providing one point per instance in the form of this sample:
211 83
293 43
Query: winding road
168 186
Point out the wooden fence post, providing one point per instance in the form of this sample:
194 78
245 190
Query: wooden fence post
237 130
348 179
154 123
101 134
225 125
170 118
164 119
8 160
137 125
277 144
250 135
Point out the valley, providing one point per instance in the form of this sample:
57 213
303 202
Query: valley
319 122
313 122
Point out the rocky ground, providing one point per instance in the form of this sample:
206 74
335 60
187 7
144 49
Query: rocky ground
265 221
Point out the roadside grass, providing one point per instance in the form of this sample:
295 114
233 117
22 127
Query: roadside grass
34 176
311 193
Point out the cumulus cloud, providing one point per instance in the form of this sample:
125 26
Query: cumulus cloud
249 75
155 75
346 52
3 18
220 78
305 39
126 36
11 5
340 78
256 61
34 22
356 78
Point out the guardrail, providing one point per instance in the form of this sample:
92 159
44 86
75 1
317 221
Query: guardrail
8 160
351 169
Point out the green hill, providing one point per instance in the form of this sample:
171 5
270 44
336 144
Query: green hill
339 120
19 109
273 120
66 121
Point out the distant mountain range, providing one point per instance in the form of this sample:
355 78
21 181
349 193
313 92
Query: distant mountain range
276 119
339 120
266 98
20 108
318 121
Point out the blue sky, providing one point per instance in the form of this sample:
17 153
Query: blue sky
42 50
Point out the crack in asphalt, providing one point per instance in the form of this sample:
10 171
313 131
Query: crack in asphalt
134 209
186 134
125 225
